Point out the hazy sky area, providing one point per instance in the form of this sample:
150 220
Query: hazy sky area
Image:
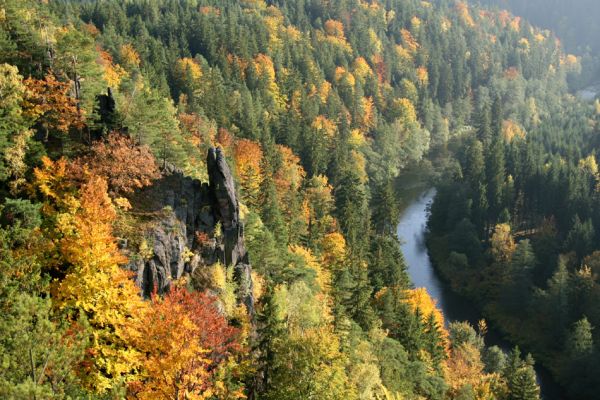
574 21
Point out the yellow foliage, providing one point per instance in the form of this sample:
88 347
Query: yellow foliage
258 285
129 56
406 109
325 125
420 298
361 69
511 129
446 24
360 164
266 69
357 139
368 113
113 73
570 60
264 66
334 249
288 179
515 24
248 156
324 91
222 278
415 22
293 33
374 43
257 4
341 75
589 164
273 24
187 68
502 243
323 276
94 284
524 44
334 34
463 12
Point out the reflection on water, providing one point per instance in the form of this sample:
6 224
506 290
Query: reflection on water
411 232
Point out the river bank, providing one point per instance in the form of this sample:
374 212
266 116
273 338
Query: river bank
411 231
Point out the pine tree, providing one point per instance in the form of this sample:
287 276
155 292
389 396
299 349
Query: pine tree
495 174
520 376
580 341
270 330
434 342
475 176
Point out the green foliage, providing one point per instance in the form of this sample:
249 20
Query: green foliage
358 92
40 352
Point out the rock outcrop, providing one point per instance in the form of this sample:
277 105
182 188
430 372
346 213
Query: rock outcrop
180 208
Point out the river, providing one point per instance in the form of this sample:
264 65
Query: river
411 232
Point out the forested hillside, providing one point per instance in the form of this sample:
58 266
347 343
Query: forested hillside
574 22
199 199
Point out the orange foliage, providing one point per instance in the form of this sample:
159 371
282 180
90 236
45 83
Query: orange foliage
174 365
422 75
48 101
410 43
334 28
181 339
125 165
241 64
93 284
464 367
264 66
198 130
207 10
511 73
504 17
419 298
113 73
225 140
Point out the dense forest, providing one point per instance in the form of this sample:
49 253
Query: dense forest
200 199
574 22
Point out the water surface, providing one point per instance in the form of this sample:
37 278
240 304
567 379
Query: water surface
411 232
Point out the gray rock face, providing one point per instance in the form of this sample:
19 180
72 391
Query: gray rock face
181 207
226 207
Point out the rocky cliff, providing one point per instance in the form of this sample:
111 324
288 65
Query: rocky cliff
180 210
